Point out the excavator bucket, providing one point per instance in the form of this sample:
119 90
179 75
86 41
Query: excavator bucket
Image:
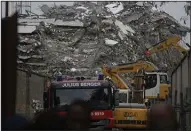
164 45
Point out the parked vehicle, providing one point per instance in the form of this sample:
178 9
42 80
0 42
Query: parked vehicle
98 93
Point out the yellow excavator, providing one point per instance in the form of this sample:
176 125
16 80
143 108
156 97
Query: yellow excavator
132 110
173 41
149 83
155 82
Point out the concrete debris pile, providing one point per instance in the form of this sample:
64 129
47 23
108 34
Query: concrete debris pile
88 34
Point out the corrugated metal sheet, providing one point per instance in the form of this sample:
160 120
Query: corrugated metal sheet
181 82
181 77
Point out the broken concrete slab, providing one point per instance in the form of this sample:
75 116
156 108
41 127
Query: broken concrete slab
36 64
124 28
36 20
127 33
24 57
75 23
110 42
115 7
45 9
26 29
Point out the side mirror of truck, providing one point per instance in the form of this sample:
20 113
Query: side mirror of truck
116 97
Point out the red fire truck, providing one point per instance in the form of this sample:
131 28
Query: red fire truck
99 93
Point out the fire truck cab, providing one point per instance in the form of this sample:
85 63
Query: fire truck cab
100 95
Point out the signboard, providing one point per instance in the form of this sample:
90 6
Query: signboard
81 84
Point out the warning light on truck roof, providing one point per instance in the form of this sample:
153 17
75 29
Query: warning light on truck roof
100 77
59 78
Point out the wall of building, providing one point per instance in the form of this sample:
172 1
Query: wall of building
29 87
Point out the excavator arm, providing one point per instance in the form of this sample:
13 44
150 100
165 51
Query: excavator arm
120 83
115 72
133 67
165 44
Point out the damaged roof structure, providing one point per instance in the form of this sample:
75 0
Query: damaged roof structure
89 34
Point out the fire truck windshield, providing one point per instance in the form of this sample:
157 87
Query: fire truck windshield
96 97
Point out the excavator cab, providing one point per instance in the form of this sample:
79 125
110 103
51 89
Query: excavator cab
156 86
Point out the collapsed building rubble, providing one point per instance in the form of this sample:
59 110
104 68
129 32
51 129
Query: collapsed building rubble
88 34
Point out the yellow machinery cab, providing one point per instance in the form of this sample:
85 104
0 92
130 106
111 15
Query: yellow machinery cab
131 112
156 85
